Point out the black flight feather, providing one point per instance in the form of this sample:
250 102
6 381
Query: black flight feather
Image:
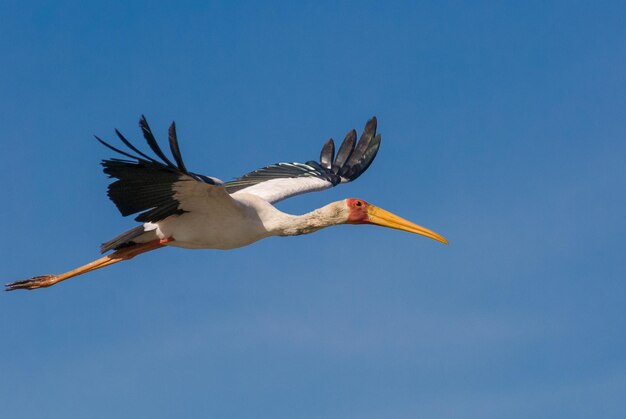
174 147
345 150
132 147
364 152
366 138
327 155
147 134
117 150
143 184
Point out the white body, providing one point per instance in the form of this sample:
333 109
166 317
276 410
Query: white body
237 222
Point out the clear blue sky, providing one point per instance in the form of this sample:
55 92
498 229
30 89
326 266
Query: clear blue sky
503 129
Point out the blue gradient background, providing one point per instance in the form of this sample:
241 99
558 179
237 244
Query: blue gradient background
503 129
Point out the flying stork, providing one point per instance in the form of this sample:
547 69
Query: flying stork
184 209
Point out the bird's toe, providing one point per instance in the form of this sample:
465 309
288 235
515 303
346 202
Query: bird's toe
31 284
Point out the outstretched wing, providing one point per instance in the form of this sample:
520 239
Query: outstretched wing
155 188
283 180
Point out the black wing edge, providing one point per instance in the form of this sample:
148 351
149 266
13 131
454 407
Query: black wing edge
144 184
352 159
358 157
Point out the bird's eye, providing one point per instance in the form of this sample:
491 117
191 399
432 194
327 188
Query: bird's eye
359 203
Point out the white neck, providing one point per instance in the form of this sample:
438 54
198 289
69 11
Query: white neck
283 224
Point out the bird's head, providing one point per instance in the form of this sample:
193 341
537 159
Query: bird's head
361 212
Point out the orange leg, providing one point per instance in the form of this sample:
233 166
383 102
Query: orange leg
115 257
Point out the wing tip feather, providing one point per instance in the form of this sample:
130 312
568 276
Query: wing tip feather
362 153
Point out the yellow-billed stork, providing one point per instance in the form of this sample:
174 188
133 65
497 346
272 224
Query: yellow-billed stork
184 209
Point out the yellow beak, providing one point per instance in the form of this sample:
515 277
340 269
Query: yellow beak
384 218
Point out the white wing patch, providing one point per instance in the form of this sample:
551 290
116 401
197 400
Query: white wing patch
275 190
193 196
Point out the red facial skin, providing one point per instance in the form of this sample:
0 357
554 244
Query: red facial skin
358 211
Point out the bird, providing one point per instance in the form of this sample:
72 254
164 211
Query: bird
180 208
